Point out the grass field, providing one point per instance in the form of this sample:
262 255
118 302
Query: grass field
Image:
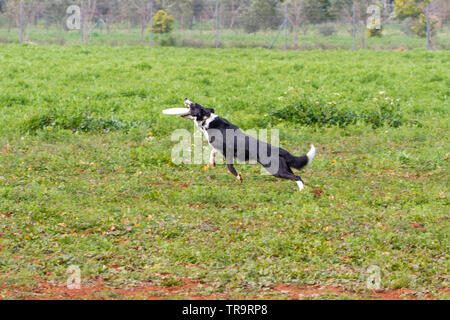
86 176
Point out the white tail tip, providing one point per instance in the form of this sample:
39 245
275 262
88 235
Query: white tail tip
311 154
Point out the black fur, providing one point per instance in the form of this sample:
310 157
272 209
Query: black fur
216 128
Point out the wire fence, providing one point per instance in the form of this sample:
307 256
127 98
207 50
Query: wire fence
288 25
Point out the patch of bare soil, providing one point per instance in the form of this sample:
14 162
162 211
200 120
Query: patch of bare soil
314 291
191 289
98 290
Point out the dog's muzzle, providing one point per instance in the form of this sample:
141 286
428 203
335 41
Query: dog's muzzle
188 104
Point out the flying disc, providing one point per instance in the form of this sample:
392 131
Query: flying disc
176 111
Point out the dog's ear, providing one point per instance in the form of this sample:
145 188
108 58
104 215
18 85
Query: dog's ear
206 112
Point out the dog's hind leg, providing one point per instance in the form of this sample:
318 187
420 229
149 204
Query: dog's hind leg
293 177
232 169
285 172
212 157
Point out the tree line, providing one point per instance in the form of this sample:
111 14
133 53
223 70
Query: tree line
247 15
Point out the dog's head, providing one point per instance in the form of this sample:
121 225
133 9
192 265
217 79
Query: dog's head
196 111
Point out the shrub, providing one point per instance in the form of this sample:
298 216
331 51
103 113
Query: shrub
194 43
374 33
406 26
162 22
168 42
75 121
143 66
384 111
419 28
327 30
308 111
11 100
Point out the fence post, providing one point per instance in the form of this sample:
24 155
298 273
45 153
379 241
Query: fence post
354 25
151 23
82 21
427 12
21 22
285 26
217 24
276 36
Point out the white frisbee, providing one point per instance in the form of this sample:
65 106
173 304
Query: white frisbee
179 111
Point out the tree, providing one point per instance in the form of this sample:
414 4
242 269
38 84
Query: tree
107 12
182 10
325 10
90 10
54 12
414 10
297 16
31 10
143 9
440 9
229 11
304 12
235 8
408 8
341 10
262 14
197 9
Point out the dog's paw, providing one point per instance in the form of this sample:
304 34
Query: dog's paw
300 184
239 177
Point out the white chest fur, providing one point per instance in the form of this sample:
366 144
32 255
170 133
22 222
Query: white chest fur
204 125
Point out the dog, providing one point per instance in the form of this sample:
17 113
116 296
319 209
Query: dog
232 143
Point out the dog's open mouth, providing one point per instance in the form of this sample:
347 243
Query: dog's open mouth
187 114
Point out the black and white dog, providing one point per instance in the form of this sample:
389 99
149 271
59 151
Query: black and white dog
232 143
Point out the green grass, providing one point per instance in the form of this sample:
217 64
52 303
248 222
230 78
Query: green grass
86 176
204 37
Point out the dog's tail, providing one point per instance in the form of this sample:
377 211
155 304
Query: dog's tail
300 162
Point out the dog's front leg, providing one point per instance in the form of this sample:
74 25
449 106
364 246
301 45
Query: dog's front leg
212 157
234 172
